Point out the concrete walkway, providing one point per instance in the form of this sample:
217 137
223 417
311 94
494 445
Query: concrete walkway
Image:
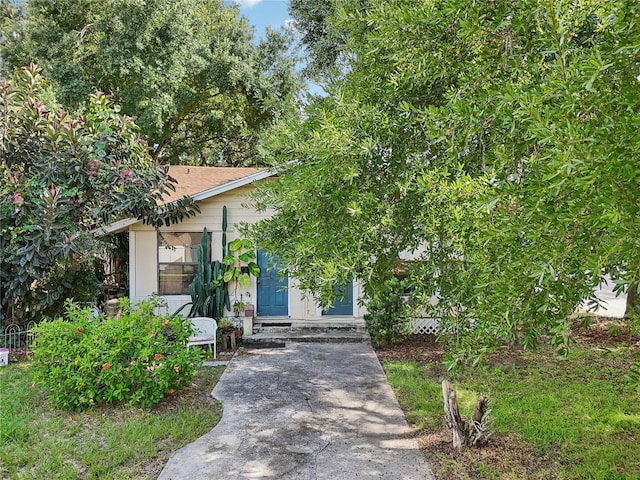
306 411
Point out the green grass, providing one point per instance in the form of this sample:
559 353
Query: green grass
578 416
103 443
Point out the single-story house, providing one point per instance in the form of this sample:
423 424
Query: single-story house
163 262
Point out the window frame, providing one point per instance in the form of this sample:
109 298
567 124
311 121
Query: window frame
162 243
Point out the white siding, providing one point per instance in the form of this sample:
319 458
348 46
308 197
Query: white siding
145 264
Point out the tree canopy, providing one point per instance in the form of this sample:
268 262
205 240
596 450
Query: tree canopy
188 70
321 35
495 141
62 177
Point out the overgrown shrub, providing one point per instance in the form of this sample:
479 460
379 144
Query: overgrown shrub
385 319
81 285
136 359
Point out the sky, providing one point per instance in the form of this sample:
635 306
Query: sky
263 13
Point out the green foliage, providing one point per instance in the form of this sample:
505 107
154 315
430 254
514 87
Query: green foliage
61 179
136 359
386 320
319 27
82 285
225 325
493 141
188 70
242 253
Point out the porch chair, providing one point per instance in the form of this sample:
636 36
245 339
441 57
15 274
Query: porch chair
204 333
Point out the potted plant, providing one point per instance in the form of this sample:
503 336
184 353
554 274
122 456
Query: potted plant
226 326
228 333
238 308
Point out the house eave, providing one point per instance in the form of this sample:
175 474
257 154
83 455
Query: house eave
124 224
116 227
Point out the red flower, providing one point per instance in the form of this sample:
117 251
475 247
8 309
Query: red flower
80 329
105 366
157 356
172 391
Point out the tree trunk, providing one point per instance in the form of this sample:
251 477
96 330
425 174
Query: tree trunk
474 432
466 433
453 416
632 307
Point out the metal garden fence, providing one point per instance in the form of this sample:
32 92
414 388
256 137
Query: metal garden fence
17 336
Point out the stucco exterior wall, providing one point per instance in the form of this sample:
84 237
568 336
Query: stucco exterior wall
144 252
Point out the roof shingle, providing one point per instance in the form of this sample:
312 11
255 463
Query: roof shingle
194 180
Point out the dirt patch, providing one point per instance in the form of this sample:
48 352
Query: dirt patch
21 354
508 454
420 349
604 332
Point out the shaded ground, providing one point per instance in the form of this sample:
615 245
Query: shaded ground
504 453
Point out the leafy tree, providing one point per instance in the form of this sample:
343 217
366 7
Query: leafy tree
317 22
62 178
497 141
188 70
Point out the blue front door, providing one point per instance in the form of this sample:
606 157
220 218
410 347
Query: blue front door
344 302
273 295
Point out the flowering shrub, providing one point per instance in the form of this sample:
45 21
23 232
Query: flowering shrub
62 177
136 359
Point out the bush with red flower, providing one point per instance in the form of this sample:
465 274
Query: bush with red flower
136 359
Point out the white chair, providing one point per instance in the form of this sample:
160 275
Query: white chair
204 333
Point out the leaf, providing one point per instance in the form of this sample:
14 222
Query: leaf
235 245
254 269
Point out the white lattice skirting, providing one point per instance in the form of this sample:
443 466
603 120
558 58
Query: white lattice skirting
425 325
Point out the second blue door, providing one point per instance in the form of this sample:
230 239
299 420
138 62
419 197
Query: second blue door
273 295
344 302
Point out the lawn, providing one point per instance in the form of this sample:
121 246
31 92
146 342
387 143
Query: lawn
554 418
106 442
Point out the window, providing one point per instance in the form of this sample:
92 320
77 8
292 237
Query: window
177 261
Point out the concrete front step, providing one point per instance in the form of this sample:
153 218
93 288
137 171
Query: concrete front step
327 330
307 335
289 325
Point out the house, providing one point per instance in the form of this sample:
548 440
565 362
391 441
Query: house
163 261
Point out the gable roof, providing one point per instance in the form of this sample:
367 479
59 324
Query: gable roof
200 183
